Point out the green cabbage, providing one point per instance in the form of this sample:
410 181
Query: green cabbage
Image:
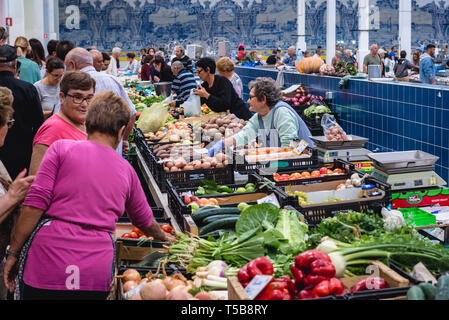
293 230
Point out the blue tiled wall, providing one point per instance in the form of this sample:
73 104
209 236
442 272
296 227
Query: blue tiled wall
393 116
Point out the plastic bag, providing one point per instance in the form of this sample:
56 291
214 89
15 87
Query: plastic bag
192 107
280 79
169 99
153 118
332 130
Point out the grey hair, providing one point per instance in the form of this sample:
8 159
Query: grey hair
80 57
3 33
348 50
160 53
266 87
182 49
9 64
374 44
116 50
178 65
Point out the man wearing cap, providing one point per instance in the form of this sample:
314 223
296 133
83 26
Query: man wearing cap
16 152
241 54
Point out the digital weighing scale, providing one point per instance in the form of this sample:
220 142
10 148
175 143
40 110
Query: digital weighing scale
349 150
406 170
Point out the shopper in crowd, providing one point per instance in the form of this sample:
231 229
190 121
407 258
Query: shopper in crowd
427 66
415 61
288 56
133 64
241 52
387 64
29 70
225 68
106 61
98 59
372 58
77 90
11 193
37 54
400 70
275 121
393 54
16 152
48 88
165 73
273 58
79 59
115 62
349 58
152 52
83 212
3 36
63 48
318 52
181 56
51 49
143 52
183 83
306 54
336 59
145 73
217 92
259 61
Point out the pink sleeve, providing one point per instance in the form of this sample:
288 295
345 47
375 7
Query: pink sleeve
137 208
48 134
41 191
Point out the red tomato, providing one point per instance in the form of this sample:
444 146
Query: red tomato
125 235
133 235
167 228
315 173
338 170
285 176
330 172
137 231
323 170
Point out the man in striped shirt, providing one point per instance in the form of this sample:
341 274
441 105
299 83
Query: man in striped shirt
183 83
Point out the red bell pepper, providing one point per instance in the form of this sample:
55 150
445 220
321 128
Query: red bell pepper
312 280
322 268
305 294
260 266
243 276
371 283
303 260
275 290
329 287
290 285
298 275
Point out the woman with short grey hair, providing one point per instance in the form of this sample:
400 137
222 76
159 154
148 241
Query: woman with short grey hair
275 123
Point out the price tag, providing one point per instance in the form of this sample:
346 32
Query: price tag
256 285
270 199
300 147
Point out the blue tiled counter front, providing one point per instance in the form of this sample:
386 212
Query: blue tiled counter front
394 116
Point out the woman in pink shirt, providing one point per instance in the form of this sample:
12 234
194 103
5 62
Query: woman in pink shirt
80 191
77 90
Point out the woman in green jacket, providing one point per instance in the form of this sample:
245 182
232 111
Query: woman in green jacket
29 70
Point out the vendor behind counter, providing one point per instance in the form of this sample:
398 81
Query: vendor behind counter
217 92
275 123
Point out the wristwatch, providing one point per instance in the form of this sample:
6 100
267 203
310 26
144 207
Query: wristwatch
12 253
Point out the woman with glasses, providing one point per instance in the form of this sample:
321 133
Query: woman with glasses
12 193
48 88
77 89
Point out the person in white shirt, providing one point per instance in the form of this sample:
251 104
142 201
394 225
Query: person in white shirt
318 52
133 64
114 64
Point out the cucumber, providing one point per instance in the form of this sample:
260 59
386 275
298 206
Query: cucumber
216 217
429 290
215 232
442 288
211 211
415 293
219 224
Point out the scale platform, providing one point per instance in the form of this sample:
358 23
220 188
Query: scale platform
409 180
347 154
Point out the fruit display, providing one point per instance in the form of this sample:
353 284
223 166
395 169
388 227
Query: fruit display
205 162
206 110
136 233
273 154
306 100
211 188
310 65
335 133
323 172
218 128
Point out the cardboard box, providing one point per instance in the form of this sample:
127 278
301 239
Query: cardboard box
237 292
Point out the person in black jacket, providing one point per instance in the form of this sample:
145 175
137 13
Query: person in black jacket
217 92
165 73
16 152
181 56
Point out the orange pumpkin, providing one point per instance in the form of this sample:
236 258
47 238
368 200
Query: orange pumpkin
310 65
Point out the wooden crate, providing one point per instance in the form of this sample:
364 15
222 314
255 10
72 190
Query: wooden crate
134 253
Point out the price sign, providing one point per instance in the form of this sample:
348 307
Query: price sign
256 285
300 147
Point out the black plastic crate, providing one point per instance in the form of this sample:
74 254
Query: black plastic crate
141 144
314 214
179 209
347 167
314 121
387 293
192 178
244 167
158 213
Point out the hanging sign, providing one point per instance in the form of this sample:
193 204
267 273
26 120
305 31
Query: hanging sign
9 22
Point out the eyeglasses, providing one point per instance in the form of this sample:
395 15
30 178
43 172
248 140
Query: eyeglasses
80 99
56 76
10 123
198 71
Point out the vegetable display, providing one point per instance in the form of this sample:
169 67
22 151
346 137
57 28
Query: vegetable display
218 128
305 100
427 291
322 172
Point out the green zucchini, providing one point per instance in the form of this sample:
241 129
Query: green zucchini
415 293
442 288
211 211
216 217
219 224
215 232
429 290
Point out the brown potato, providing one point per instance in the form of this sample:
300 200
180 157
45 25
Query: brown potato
219 165
197 166
174 169
169 164
206 165
188 167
